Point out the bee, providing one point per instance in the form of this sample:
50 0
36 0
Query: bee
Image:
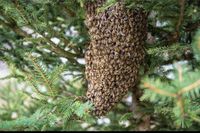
114 54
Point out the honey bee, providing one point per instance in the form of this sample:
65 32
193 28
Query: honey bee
114 54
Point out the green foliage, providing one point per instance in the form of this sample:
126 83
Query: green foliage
178 96
14 102
196 45
108 4
43 76
50 115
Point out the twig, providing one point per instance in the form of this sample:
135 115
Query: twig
13 26
181 105
189 88
180 20
180 76
81 98
42 74
157 90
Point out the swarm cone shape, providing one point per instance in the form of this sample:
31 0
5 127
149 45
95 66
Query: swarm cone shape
115 53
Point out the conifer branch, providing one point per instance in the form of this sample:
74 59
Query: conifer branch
12 76
180 76
42 74
54 47
195 118
181 105
80 98
68 11
34 85
189 88
157 90
180 20
12 26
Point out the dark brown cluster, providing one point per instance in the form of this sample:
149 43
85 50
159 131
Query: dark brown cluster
115 53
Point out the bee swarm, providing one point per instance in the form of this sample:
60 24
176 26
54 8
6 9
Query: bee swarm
115 53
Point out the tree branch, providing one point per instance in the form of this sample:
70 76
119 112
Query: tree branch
189 88
157 90
13 26
180 20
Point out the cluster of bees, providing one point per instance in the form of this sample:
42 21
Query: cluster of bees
115 53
